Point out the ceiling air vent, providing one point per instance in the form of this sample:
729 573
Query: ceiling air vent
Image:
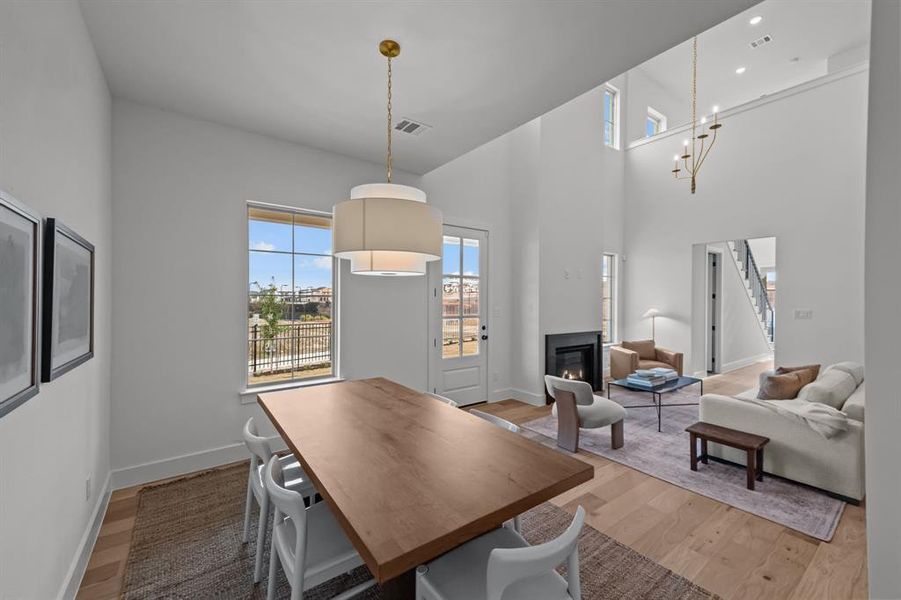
761 41
412 127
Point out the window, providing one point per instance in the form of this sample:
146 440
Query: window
655 123
291 296
608 298
460 315
611 116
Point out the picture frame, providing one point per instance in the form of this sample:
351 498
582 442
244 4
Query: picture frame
21 230
68 301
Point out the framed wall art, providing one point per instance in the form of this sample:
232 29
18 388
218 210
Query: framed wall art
68 301
20 288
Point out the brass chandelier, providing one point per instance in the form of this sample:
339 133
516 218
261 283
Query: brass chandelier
695 151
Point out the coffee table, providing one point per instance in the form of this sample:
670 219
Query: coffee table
657 392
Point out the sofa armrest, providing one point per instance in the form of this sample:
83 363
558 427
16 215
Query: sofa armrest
622 362
671 358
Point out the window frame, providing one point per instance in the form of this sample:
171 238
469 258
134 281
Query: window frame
250 389
615 123
657 117
614 297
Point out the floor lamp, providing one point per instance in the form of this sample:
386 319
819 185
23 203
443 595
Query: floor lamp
652 313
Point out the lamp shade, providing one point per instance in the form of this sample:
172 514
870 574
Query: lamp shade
651 312
387 229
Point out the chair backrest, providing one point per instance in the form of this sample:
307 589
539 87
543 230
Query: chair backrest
260 452
442 399
496 420
287 503
582 389
509 565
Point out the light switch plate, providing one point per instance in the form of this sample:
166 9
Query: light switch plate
803 313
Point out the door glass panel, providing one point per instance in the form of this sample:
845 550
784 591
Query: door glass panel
470 296
451 262
470 336
470 257
450 302
450 334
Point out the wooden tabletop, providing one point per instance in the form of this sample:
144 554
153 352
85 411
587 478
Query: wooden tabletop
409 477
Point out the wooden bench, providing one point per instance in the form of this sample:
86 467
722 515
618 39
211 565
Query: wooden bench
749 442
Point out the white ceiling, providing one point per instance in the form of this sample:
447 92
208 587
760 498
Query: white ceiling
810 31
310 72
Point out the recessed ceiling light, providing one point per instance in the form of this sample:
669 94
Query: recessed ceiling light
756 20
739 70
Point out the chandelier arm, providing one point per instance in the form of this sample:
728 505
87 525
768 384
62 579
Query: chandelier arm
704 156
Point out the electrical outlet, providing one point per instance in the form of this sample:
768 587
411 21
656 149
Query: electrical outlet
87 489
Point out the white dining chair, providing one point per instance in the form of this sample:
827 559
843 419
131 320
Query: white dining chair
260 453
516 522
496 420
306 540
442 399
502 564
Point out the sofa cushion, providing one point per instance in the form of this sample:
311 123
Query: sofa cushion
833 387
653 364
855 405
854 369
646 349
784 386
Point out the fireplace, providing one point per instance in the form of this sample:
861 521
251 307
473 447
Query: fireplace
574 356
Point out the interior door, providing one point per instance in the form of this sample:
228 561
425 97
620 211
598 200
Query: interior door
458 324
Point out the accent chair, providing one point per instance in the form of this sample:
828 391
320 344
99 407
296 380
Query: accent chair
628 357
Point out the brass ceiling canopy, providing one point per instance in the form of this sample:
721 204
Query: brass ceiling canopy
389 48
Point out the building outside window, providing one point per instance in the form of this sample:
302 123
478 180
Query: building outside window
608 298
291 296
611 117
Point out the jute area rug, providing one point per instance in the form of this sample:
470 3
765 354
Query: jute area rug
665 455
187 544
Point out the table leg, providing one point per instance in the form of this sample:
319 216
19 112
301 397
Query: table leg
704 450
752 468
402 587
657 400
694 447
760 464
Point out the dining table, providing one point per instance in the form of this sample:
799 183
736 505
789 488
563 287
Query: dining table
409 477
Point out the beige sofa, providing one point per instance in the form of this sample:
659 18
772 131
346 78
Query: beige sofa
796 451
628 357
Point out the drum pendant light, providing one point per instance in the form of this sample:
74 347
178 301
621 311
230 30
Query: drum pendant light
386 228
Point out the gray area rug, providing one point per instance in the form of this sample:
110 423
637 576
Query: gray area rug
664 455
187 544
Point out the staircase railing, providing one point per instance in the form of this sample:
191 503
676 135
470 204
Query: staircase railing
758 288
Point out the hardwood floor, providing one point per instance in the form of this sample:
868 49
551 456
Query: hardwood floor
729 552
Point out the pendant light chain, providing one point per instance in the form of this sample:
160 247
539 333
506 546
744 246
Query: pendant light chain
694 97
388 158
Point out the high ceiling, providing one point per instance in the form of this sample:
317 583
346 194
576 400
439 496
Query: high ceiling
310 72
805 34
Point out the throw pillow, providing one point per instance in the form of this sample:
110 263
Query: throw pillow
854 369
646 349
784 386
815 369
832 388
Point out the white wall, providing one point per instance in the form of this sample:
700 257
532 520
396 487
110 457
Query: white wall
883 288
556 191
643 91
181 187
55 157
752 187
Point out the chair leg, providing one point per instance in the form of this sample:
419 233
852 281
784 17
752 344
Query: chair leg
246 537
616 435
273 566
567 420
261 537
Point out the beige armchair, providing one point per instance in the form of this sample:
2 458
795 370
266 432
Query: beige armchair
645 354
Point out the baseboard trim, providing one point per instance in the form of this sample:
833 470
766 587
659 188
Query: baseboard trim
744 362
185 463
527 397
80 562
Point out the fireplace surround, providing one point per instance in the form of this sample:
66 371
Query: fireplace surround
574 356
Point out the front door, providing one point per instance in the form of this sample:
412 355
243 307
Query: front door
458 324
